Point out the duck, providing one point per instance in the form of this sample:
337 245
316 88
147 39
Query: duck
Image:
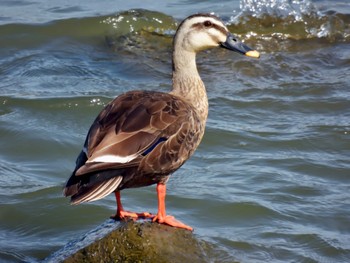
142 137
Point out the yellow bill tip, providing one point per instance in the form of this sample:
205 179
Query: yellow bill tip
253 54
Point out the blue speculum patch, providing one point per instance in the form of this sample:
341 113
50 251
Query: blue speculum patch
161 139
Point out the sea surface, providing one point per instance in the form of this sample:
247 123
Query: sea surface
270 181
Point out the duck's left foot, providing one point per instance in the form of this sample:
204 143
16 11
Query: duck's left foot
122 215
171 221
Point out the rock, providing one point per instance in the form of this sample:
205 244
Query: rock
143 242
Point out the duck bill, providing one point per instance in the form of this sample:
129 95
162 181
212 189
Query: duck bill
232 43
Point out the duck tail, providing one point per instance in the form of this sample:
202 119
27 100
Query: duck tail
96 191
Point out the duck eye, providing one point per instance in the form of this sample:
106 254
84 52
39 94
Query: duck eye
207 23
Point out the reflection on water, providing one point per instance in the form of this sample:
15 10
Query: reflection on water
270 181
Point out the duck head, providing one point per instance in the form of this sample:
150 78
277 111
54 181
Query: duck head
203 31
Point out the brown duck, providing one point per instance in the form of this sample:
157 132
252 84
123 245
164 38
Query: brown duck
142 137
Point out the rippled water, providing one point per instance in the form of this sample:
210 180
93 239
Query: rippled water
270 181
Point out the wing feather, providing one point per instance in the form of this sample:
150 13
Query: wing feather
98 191
152 132
129 126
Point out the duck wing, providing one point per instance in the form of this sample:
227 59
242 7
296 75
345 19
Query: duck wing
137 130
127 128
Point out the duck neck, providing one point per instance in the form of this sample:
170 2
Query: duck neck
187 83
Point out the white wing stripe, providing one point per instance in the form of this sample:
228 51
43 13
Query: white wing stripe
109 158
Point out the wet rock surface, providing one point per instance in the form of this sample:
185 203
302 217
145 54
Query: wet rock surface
142 242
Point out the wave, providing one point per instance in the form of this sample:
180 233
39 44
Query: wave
285 19
268 25
259 22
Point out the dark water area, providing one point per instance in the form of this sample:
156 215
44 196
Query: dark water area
270 181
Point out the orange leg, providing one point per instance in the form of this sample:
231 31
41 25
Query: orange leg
162 217
122 214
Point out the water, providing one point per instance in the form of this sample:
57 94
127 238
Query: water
270 181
